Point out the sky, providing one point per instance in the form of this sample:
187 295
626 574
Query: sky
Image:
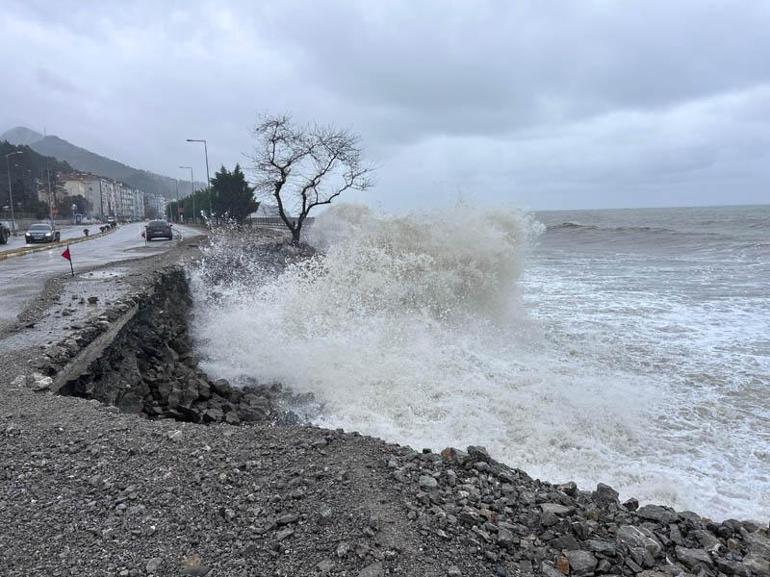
542 105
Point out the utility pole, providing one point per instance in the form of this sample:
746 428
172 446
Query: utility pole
101 201
10 186
208 176
192 191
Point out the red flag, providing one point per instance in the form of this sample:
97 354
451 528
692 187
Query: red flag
66 254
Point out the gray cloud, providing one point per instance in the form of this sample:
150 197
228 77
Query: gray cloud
595 103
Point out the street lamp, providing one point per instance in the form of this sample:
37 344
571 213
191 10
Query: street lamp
208 176
10 186
192 191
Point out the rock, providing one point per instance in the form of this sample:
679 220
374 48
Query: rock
92 300
706 539
213 415
232 418
562 565
249 414
557 509
454 571
663 515
478 454
20 381
759 543
373 570
428 483
343 549
469 516
153 565
757 564
287 519
693 559
325 514
631 505
193 566
504 537
550 571
284 534
222 387
569 488
40 382
605 494
325 566
565 543
581 562
639 538
603 547
455 456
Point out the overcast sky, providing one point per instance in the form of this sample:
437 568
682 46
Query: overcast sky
558 104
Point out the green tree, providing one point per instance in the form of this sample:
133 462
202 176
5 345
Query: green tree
232 196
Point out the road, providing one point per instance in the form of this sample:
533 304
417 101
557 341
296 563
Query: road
66 232
22 278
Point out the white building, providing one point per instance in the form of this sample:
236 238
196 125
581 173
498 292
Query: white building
111 198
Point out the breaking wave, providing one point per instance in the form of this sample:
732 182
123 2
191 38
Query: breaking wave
413 329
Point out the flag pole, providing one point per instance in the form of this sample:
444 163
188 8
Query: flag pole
68 255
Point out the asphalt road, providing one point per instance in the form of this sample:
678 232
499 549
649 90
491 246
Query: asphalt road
22 278
66 232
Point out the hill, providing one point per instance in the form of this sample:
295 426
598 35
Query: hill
87 161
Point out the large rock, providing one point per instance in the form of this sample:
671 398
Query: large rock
427 482
580 562
757 564
557 509
455 456
663 515
605 495
638 538
478 454
693 559
373 570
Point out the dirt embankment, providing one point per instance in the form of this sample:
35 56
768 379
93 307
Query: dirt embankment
208 484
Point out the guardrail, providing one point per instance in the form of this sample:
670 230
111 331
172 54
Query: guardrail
274 222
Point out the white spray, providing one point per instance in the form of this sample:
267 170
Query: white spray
411 329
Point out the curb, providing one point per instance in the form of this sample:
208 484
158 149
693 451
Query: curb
29 250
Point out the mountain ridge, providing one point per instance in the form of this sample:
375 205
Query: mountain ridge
85 160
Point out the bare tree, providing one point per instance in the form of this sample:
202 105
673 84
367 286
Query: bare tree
305 167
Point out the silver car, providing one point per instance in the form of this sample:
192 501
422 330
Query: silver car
42 232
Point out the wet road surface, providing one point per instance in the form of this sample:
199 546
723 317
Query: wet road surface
22 278
66 232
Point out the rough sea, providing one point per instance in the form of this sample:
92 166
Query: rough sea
630 347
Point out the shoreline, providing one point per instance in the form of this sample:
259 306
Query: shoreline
112 491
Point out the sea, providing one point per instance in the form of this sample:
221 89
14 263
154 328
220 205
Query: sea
628 347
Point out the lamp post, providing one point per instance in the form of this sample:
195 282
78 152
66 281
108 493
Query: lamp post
176 207
50 193
208 176
192 191
10 185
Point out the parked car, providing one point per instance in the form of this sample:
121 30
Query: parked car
5 232
42 232
158 229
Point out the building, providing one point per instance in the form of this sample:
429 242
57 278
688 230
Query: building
154 205
109 197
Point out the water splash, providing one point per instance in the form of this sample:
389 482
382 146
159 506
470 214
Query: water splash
412 329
